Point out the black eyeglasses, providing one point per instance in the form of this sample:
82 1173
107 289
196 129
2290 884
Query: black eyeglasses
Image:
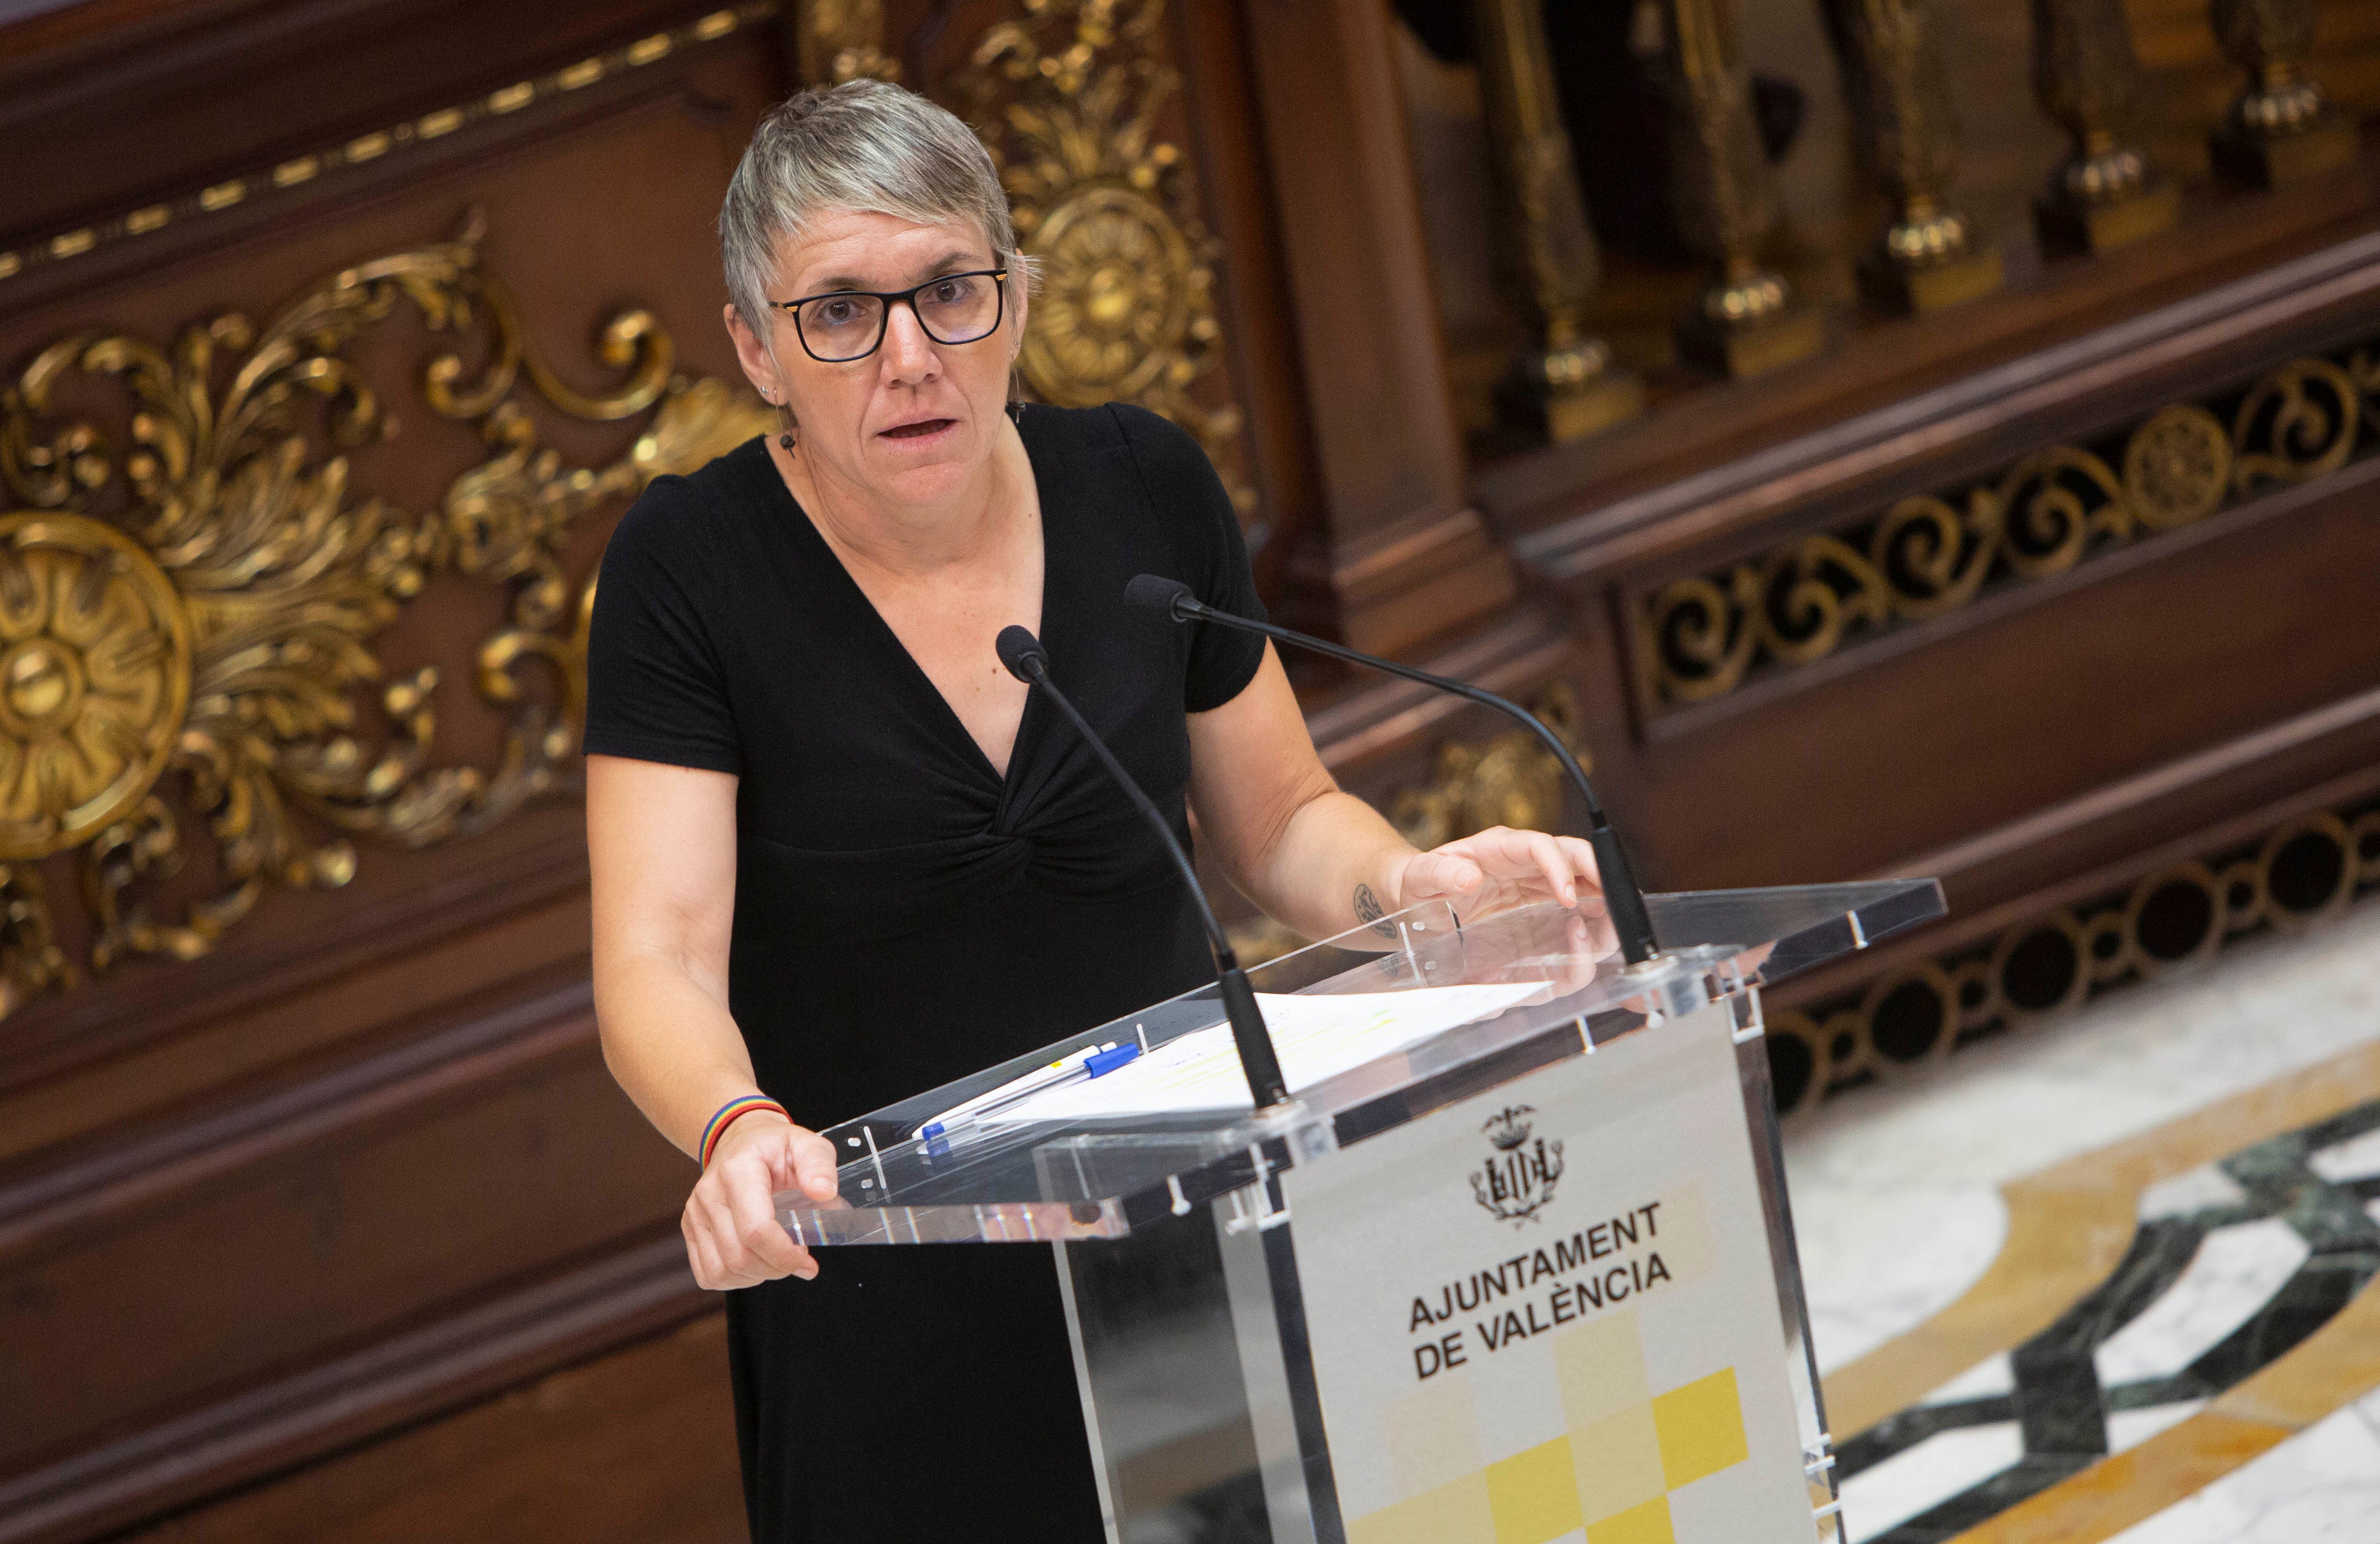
846 325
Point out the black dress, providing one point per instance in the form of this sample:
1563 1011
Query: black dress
904 916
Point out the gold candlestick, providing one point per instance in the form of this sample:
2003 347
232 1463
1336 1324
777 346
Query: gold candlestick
1566 380
1748 320
2086 78
2284 129
1932 254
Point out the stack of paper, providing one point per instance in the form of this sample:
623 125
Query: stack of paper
1316 1037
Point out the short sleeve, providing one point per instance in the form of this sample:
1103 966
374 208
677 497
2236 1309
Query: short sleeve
1210 555
655 691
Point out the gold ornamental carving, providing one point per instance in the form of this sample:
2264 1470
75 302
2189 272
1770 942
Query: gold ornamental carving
192 589
1702 635
1069 98
1509 780
842 40
94 678
298 177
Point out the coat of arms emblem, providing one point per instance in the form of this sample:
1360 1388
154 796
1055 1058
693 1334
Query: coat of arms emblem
1519 1176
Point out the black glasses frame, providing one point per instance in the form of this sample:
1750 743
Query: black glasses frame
892 297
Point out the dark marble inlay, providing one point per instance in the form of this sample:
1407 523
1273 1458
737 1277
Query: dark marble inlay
2058 1405
1901 1433
2028 1477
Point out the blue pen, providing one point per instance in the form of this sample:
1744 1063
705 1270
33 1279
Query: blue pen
1107 1062
1098 1064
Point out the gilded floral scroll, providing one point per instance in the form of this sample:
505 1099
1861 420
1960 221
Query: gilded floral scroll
1703 635
191 598
1070 99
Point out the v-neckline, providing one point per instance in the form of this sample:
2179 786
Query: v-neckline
938 706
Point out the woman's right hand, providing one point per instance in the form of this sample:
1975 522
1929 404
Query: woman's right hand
732 1237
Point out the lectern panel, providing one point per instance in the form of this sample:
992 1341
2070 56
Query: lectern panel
1513 1265
1552 1306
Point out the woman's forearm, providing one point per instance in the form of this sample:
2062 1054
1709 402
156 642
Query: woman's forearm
671 1045
1333 865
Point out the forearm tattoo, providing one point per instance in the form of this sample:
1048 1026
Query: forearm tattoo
1367 909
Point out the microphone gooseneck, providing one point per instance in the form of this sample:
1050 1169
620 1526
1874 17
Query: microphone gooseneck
1022 655
1620 893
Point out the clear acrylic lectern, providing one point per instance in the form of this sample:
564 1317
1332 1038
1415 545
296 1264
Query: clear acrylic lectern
1515 1266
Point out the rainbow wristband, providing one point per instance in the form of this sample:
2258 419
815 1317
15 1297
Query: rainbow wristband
729 1113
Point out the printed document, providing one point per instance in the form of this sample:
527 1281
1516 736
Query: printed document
1316 1037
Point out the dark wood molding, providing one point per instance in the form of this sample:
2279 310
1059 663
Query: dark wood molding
2106 840
1371 721
552 1240
1403 584
1254 302
1366 324
1963 429
689 79
1891 377
48 1198
1998 604
337 68
628 1294
534 862
633 1447
1363 304
2354 721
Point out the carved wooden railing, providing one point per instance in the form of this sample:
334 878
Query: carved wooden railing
2281 131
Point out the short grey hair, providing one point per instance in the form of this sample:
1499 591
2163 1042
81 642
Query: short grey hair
866 146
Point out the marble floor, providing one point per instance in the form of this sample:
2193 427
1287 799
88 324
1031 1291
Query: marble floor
2322 1484
2057 1281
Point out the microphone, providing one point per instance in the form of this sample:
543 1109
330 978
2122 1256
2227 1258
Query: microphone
1024 657
1620 894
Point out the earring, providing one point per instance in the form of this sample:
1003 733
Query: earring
786 416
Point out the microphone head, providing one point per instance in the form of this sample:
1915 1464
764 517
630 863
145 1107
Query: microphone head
1157 593
1022 654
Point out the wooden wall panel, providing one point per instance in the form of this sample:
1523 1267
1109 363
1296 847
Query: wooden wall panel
1942 705
361 1165
576 254
491 1168
368 1125
223 87
2275 615
639 1448
341 1230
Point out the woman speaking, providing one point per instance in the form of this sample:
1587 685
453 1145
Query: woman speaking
840 856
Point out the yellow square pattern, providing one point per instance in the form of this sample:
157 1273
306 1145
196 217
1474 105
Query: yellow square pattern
1617 1463
1626 1450
1531 1495
1701 1428
1649 1524
1453 1513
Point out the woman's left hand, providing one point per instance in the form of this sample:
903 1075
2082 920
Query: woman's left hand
1500 867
